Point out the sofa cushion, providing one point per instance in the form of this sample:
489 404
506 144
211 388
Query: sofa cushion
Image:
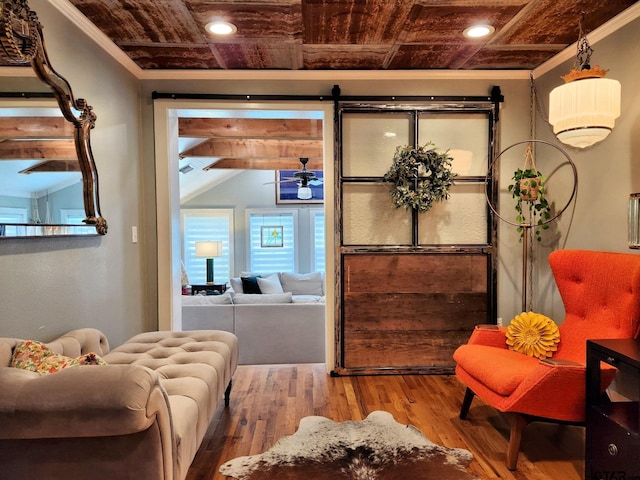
236 285
5 354
308 299
286 333
256 274
38 357
250 284
270 284
250 298
302 283
224 299
509 368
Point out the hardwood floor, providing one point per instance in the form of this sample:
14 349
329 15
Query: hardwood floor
267 402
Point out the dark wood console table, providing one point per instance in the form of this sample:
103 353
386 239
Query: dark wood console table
208 288
612 447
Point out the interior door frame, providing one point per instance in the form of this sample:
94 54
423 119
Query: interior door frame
166 108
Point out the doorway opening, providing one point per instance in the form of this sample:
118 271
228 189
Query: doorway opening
174 151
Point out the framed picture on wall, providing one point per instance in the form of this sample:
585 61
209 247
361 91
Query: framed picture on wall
271 236
287 192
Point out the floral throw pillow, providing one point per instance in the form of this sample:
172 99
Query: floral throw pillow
533 334
37 357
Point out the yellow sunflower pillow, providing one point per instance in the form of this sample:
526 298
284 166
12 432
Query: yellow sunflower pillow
533 334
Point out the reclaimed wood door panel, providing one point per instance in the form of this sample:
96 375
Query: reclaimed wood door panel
415 273
424 351
397 311
410 310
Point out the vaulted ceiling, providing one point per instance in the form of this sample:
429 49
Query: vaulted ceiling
345 34
37 151
213 150
253 143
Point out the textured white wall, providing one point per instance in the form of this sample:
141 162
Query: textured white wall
51 285
607 172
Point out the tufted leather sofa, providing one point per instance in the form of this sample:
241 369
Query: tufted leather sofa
142 416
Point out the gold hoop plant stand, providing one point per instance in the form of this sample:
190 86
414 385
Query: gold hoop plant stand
526 227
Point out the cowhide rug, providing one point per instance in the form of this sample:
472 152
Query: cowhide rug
377 448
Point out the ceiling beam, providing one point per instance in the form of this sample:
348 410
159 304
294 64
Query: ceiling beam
53 166
252 148
38 149
35 127
249 128
263 164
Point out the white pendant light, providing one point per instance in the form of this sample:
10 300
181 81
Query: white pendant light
304 193
584 109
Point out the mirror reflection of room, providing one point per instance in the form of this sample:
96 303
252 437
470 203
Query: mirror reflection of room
40 177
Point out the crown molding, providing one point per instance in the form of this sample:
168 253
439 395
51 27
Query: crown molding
603 31
79 20
334 75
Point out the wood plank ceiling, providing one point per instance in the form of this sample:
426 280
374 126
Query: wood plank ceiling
345 34
315 35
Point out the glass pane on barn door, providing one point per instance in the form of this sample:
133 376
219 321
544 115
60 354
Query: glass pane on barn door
370 217
369 141
465 135
462 219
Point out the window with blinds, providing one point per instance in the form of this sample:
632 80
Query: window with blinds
12 215
318 244
207 225
75 216
264 257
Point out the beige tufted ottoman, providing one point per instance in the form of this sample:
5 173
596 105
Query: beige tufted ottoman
195 369
143 415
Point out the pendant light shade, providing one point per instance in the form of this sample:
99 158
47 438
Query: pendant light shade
583 111
304 193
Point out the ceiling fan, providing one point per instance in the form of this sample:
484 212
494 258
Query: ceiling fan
304 178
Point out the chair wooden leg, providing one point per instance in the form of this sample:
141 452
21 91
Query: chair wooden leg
518 424
466 403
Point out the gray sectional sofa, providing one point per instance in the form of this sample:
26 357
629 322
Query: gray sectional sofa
276 327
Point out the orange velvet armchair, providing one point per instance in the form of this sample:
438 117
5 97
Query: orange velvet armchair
601 296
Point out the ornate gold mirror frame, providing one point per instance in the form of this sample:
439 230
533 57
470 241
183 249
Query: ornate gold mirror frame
22 42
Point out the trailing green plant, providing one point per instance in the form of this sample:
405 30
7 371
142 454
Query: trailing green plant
528 187
420 176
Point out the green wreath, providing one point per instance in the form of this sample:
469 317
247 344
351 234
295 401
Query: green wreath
420 175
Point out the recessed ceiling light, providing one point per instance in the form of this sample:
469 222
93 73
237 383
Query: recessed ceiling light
478 31
220 27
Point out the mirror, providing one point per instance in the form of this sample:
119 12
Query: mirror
50 146
40 176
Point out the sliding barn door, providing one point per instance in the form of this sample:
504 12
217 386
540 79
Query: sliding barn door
412 286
